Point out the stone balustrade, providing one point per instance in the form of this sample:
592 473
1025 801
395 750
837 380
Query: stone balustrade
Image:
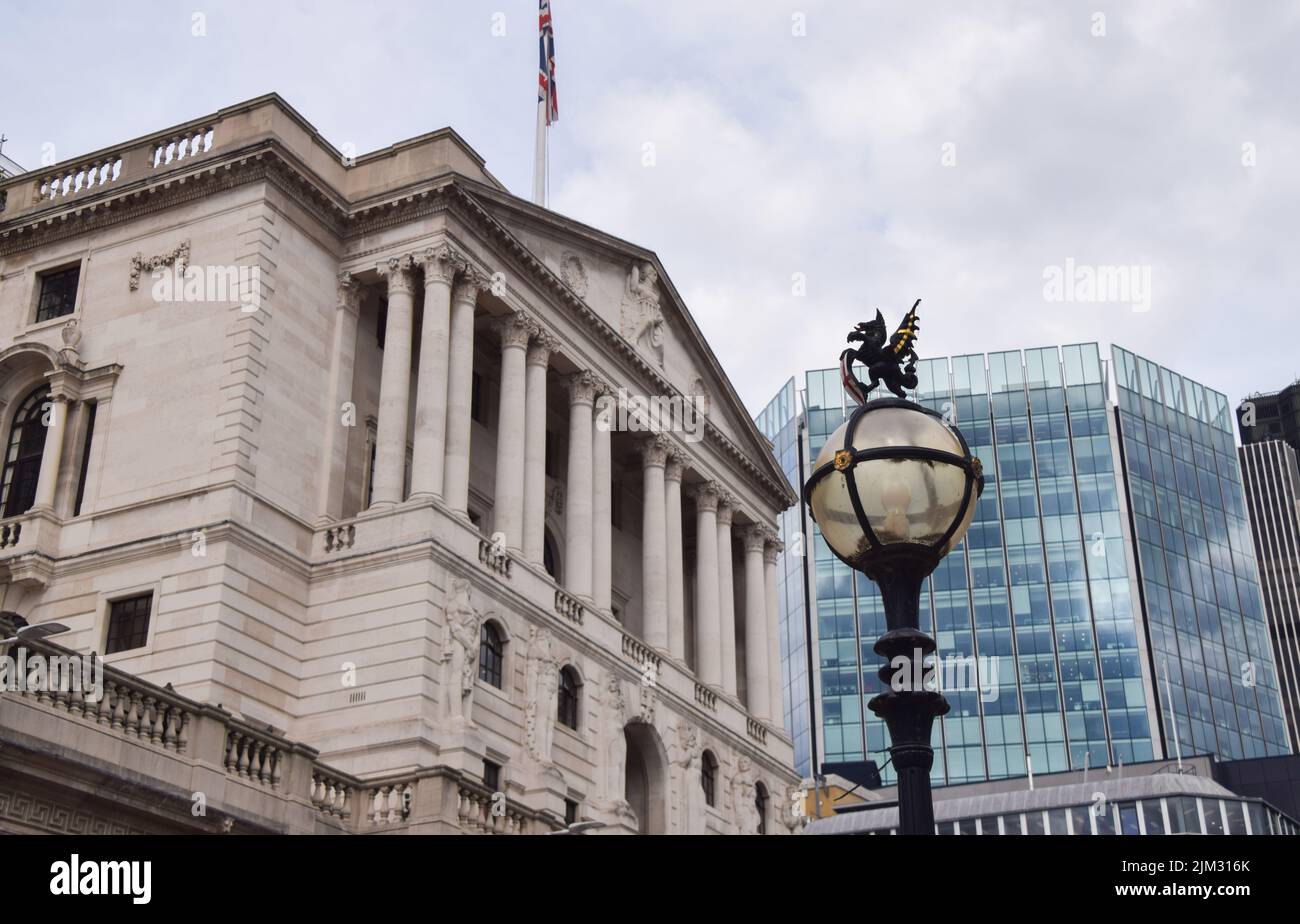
190 143
11 531
340 537
568 606
640 652
69 180
252 755
495 558
706 697
756 730
332 792
390 804
482 812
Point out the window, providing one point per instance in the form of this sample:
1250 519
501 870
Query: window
91 409
476 398
570 812
23 453
549 558
492 775
58 293
551 467
568 698
709 777
381 323
491 650
760 805
128 623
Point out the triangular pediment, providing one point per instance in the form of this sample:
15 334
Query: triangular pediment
629 289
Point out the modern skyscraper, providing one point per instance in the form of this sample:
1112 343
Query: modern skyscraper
1106 584
1272 482
1272 416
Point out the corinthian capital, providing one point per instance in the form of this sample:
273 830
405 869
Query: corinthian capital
440 263
582 387
470 281
773 549
349 293
706 495
514 329
754 537
397 270
654 451
541 347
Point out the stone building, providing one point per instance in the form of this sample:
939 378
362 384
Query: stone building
382 496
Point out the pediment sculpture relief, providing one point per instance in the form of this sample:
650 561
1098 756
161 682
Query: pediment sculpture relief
642 318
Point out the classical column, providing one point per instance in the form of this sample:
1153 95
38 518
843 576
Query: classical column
429 452
726 597
708 639
578 558
343 349
757 685
602 500
654 547
508 500
539 357
394 384
51 457
460 389
775 685
676 578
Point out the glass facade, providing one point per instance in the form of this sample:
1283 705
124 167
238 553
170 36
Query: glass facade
1043 598
1205 619
779 422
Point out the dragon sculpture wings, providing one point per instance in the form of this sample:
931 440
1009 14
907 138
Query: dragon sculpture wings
892 362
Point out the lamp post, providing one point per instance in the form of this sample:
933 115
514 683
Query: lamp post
893 491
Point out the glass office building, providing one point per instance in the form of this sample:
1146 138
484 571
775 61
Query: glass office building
1044 599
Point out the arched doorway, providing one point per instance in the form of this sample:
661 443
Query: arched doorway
646 778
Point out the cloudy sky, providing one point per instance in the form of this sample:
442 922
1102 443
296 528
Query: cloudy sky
877 152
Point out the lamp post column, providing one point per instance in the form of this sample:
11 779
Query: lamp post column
908 712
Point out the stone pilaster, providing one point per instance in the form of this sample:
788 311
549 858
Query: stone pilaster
508 501
394 384
708 638
428 456
578 494
771 552
676 570
602 501
654 549
757 683
47 481
726 597
539 357
460 388
343 349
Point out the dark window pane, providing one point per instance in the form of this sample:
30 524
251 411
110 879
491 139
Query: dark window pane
128 623
567 710
492 775
490 654
23 453
709 776
58 293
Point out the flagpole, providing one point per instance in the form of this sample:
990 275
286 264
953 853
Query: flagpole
539 160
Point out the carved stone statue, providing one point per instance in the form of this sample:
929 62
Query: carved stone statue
543 685
743 794
690 787
461 649
615 740
642 319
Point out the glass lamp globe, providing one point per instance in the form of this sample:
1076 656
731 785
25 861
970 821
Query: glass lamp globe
894 479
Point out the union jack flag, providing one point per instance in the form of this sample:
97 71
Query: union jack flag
546 62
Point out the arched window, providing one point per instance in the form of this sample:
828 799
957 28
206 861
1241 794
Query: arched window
709 777
491 654
760 805
567 710
23 453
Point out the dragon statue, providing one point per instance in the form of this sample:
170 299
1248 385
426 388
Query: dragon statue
892 362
